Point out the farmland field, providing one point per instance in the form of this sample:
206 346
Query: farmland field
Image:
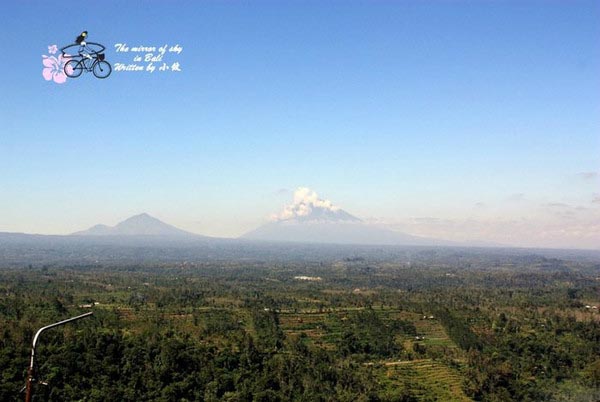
255 331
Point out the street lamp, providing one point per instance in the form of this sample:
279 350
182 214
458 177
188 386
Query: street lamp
30 371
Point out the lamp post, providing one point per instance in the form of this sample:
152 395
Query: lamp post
30 370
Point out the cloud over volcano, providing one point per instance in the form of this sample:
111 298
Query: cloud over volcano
307 206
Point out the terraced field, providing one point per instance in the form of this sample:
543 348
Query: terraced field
426 379
433 333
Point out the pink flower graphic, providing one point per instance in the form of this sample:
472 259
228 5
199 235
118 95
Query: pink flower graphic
52 49
54 68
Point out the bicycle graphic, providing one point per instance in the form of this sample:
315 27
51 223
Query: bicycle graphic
92 61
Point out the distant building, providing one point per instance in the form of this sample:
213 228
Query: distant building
308 278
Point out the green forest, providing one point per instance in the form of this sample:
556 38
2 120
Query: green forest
458 328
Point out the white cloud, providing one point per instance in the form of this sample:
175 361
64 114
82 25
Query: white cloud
305 200
588 175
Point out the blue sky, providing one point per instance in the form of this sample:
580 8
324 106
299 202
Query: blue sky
444 118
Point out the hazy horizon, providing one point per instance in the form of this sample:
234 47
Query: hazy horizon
307 208
458 121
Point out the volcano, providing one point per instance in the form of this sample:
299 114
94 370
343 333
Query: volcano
309 219
138 225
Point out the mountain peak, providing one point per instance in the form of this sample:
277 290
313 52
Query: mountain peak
308 207
310 219
141 218
138 225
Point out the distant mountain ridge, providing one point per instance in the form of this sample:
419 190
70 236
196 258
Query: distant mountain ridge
308 219
138 225
336 233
